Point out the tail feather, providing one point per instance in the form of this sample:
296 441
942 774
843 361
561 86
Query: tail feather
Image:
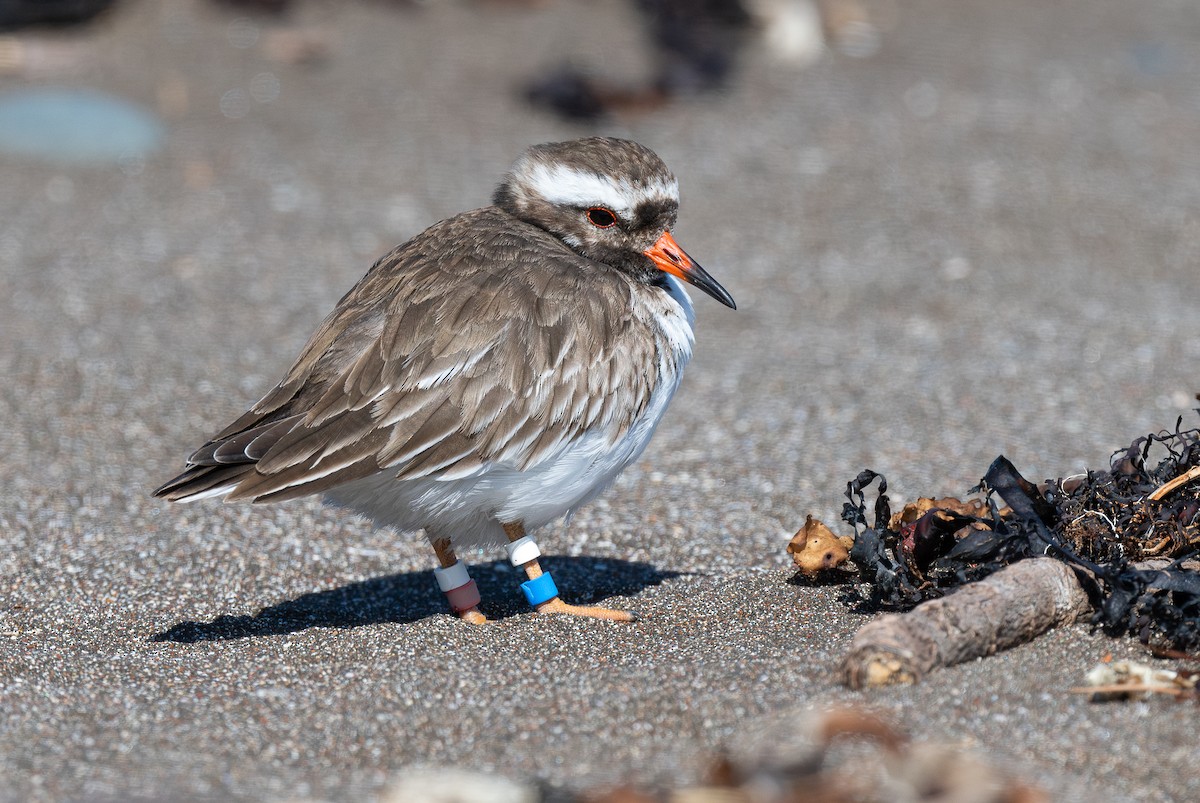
218 467
247 446
202 482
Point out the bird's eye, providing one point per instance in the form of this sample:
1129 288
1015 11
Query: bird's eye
601 218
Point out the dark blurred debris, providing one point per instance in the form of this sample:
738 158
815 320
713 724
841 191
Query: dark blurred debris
694 45
797 757
266 6
575 95
696 41
851 28
1129 536
805 766
305 46
279 7
16 14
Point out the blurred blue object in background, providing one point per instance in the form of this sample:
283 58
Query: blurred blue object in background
76 126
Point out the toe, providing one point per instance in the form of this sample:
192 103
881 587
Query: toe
556 605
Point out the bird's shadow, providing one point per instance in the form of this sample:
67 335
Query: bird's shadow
411 596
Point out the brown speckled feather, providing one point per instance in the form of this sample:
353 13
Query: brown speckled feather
451 353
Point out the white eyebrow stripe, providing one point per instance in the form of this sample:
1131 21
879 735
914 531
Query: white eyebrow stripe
564 186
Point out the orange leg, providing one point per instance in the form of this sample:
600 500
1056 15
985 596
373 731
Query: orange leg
516 531
447 558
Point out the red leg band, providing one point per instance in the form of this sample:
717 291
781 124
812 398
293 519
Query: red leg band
463 598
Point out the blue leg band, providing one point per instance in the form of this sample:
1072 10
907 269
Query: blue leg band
539 590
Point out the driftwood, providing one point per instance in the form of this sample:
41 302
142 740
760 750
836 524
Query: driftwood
1003 610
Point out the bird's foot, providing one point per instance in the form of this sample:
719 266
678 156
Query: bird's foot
540 591
556 605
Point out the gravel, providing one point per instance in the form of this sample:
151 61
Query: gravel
977 238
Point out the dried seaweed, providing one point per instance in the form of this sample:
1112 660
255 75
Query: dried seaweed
1101 524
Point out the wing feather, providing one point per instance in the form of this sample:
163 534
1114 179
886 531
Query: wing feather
441 361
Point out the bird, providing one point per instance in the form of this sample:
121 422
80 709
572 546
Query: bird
490 375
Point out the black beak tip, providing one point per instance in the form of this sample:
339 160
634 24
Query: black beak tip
719 293
699 277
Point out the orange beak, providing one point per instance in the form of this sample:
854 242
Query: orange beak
667 256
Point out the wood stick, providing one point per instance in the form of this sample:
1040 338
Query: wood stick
1003 610
1166 488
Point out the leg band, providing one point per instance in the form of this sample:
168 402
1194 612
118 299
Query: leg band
523 550
463 598
451 577
539 590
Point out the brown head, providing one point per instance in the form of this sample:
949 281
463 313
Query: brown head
609 200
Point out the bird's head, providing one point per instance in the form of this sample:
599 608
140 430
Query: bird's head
610 200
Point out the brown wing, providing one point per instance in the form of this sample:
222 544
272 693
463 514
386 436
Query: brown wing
482 340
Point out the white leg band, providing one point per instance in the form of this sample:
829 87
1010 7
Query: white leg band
523 550
451 577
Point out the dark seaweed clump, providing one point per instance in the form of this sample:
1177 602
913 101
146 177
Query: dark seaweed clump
1130 532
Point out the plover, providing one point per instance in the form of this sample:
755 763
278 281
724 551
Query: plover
490 375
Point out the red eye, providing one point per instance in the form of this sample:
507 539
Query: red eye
601 218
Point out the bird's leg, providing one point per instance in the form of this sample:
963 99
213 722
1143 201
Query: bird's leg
456 584
540 589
